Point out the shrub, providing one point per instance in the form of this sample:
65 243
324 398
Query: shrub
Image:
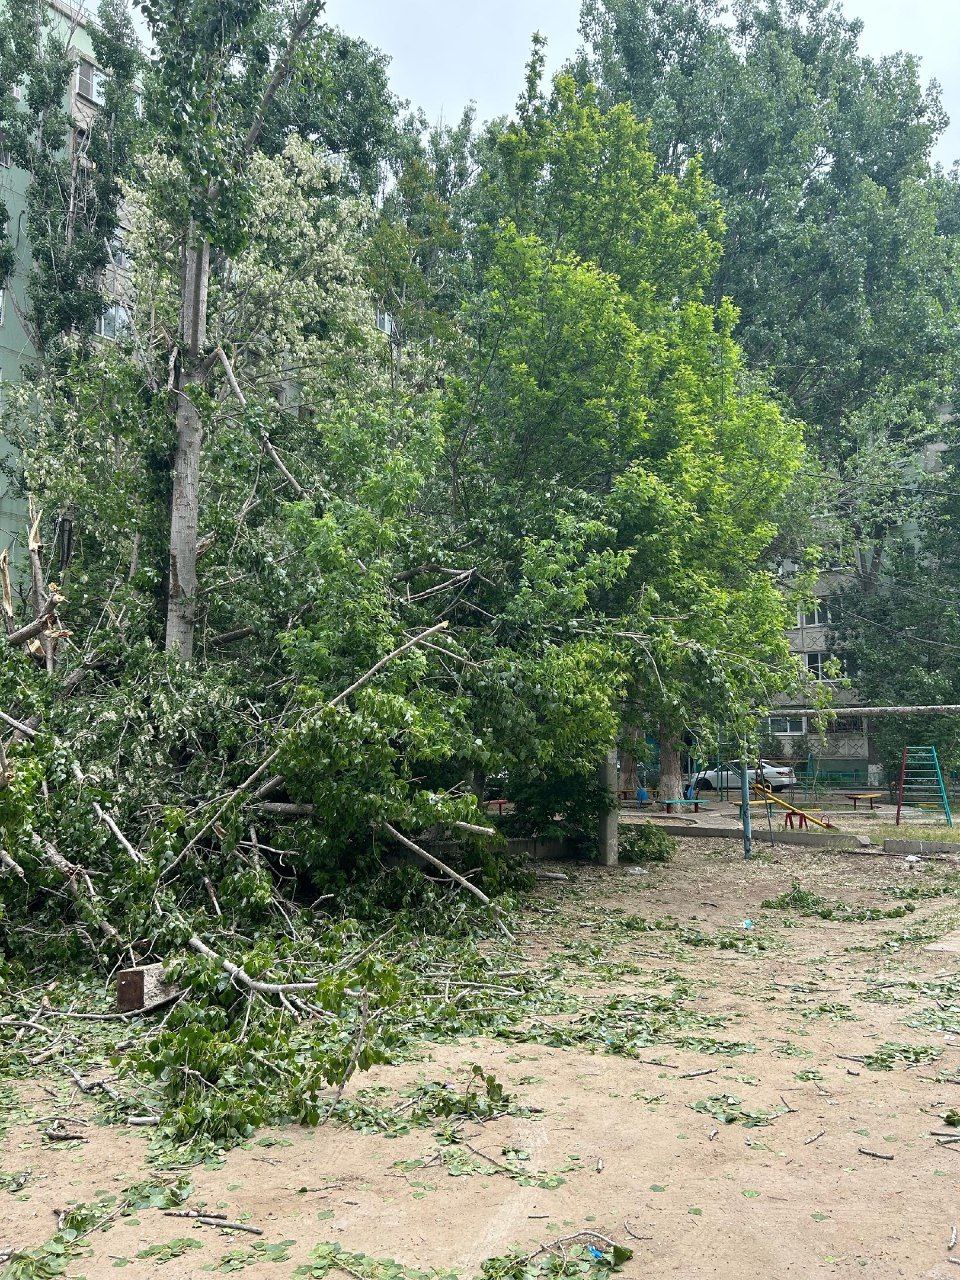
646 843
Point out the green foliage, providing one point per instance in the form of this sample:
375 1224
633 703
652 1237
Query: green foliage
841 253
470 550
807 903
889 1055
821 155
261 1251
646 843
228 1063
573 1263
729 1110
170 1250
483 1098
76 161
629 1025
54 1256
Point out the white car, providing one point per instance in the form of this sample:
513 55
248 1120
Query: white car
727 777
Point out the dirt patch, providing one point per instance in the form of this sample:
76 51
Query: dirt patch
753 1065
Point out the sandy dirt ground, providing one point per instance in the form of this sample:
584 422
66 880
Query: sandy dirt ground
692 1195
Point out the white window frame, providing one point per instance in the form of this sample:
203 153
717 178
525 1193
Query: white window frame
815 669
95 80
787 719
114 319
819 616
118 250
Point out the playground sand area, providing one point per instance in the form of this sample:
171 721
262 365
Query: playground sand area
731 1089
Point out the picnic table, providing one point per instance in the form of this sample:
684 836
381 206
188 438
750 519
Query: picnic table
857 796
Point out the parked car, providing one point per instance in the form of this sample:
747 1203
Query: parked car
727 777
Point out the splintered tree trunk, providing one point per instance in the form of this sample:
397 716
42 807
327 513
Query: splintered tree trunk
671 772
185 500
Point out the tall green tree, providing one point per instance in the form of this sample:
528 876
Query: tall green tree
837 250
213 82
608 389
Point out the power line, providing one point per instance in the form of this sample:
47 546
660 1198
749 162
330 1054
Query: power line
904 633
945 710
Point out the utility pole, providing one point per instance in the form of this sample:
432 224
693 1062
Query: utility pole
745 809
610 822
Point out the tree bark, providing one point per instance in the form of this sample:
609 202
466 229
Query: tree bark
185 498
671 771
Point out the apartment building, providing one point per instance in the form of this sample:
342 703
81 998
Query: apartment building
842 750
85 96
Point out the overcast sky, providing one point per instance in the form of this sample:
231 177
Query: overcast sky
447 53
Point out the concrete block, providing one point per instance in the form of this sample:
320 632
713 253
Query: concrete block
922 848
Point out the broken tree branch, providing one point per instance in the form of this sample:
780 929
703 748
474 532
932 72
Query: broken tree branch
6 590
449 872
264 767
71 873
274 457
231 637
212 1220
239 974
475 830
397 653
8 862
39 626
41 594
108 819
18 726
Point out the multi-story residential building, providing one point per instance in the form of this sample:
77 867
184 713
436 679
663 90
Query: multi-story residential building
844 749
15 345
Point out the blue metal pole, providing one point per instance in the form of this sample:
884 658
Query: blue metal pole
745 802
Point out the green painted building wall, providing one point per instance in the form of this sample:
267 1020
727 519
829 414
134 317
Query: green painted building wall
15 347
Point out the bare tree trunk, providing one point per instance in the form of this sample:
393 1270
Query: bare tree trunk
671 771
185 501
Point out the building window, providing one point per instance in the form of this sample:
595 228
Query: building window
816 662
818 616
6 160
847 724
3 305
113 322
787 726
90 82
118 252
385 323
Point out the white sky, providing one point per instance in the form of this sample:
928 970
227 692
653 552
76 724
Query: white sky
447 53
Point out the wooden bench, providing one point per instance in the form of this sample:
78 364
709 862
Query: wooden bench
857 796
670 805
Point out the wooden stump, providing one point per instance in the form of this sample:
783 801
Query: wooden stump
144 988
